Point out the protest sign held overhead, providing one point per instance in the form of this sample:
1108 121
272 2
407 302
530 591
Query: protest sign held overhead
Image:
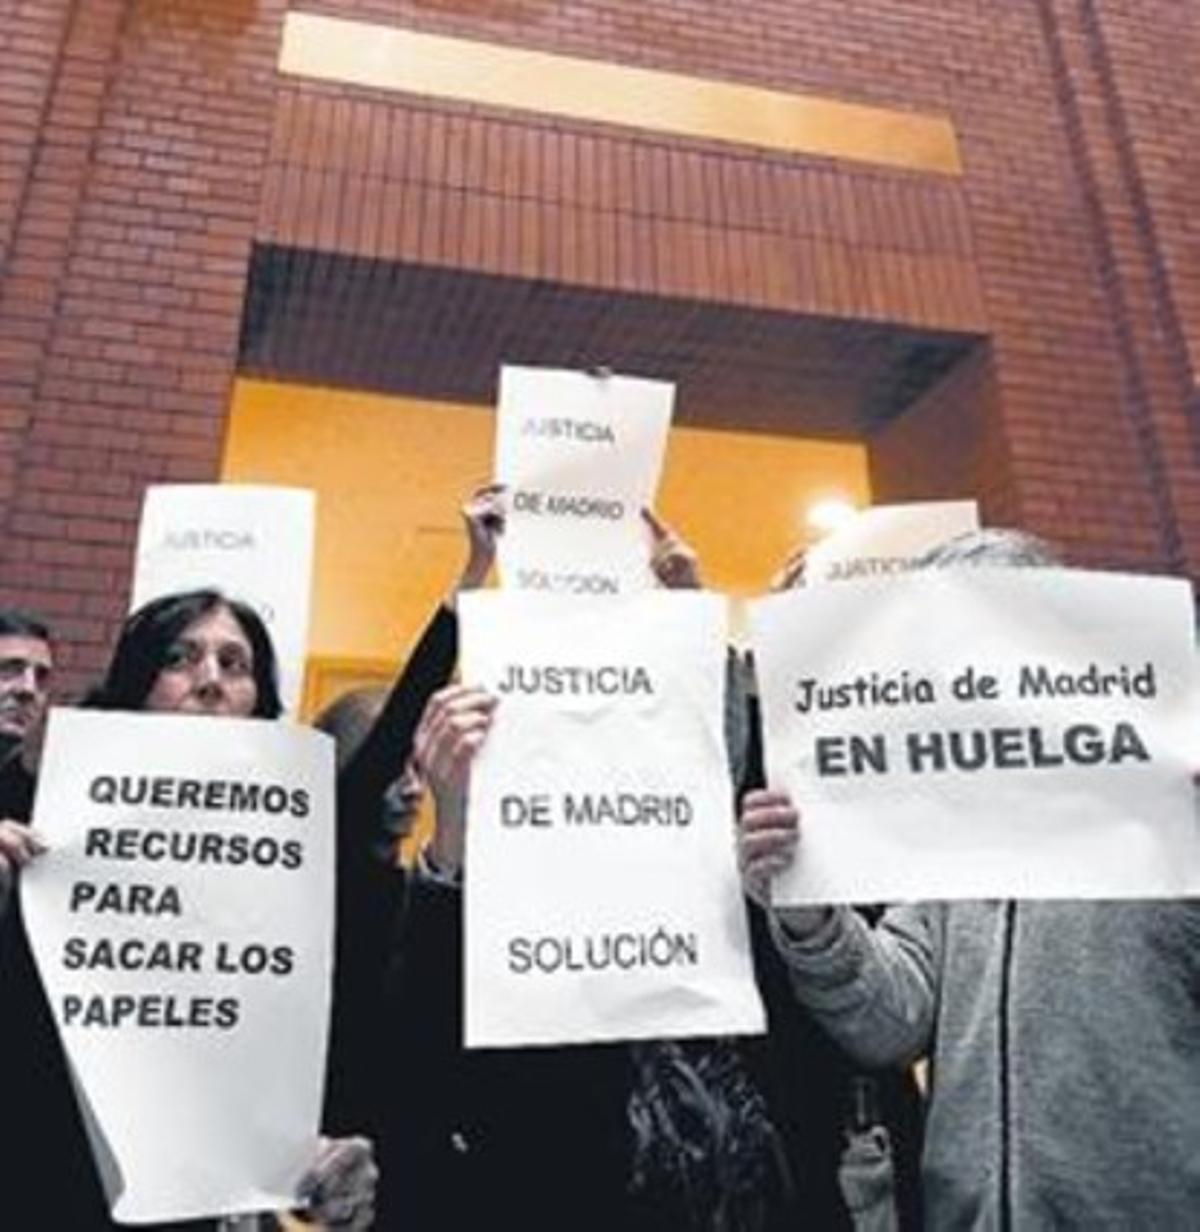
253 543
886 539
984 733
182 925
602 896
581 456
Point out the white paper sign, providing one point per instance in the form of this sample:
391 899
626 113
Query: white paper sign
253 543
887 539
182 925
984 733
602 896
581 456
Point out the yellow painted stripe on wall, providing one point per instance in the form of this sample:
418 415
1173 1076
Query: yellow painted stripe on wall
467 71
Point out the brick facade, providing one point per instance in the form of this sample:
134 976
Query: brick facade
138 136
147 145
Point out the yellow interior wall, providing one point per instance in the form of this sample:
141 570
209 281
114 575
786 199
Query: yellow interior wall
390 474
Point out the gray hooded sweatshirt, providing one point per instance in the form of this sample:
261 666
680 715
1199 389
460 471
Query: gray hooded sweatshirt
1064 1041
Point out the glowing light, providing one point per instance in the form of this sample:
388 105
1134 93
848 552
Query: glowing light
829 514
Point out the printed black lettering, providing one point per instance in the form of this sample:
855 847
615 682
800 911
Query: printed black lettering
211 848
830 752
926 750
244 797
227 1013
1084 745
82 893
103 790
1008 748
189 792
1127 743
97 842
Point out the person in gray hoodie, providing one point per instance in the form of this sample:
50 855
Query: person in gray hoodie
1063 1037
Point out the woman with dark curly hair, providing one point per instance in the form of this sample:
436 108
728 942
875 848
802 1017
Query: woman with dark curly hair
192 653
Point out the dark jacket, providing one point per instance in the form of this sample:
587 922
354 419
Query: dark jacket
541 1137
42 1140
370 891
50 1180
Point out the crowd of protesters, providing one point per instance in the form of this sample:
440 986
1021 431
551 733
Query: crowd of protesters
1061 1039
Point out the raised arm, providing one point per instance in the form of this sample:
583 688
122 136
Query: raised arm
380 757
371 891
874 989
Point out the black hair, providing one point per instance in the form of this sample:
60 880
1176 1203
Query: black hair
15 623
147 636
350 717
990 546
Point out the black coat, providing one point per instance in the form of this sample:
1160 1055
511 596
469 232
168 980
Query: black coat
50 1179
539 1138
370 891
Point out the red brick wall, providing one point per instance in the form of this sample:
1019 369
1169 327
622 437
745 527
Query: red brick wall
1152 92
606 208
1026 246
35 52
143 144
1139 77
30 37
129 251
950 446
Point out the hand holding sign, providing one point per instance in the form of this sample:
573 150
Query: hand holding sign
673 561
451 732
768 839
484 519
19 844
338 1190
768 831
791 573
